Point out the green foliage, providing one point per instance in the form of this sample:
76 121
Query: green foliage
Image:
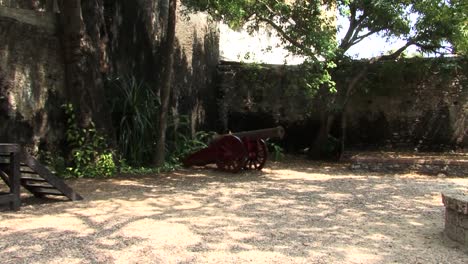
276 151
308 28
127 169
135 107
389 78
181 143
54 161
187 145
90 155
303 27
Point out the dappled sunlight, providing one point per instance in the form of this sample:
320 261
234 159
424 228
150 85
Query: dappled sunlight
284 215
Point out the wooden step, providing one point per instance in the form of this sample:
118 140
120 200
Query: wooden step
32 178
61 188
5 177
45 191
37 178
37 184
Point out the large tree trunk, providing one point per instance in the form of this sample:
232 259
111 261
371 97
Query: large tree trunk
318 149
82 68
166 82
323 146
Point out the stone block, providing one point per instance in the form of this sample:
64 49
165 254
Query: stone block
456 201
466 240
463 221
455 233
456 217
451 217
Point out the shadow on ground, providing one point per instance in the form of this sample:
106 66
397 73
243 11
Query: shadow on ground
294 212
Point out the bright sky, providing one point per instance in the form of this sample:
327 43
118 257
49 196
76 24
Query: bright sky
240 46
371 46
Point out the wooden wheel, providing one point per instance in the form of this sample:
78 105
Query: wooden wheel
257 154
231 154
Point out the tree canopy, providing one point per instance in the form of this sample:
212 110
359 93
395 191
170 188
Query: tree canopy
309 27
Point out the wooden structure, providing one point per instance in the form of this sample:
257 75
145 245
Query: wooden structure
234 152
17 168
12 153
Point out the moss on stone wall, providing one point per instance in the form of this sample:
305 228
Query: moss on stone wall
32 86
412 103
127 36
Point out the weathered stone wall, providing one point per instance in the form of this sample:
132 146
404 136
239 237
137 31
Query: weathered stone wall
196 60
133 51
417 103
32 85
31 78
414 103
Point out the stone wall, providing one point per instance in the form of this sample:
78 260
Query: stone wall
418 104
32 85
411 104
197 57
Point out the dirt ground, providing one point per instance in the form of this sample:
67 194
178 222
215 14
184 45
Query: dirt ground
295 211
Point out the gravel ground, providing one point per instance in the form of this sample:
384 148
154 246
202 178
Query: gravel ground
292 212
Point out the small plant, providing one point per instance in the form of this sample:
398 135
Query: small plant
90 156
127 169
54 161
276 151
181 143
188 145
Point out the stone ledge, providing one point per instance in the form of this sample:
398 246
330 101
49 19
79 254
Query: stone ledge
431 164
456 216
413 161
456 201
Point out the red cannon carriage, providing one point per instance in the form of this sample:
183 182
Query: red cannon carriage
234 152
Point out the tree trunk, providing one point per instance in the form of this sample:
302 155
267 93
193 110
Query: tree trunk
318 148
82 68
167 60
323 147
349 91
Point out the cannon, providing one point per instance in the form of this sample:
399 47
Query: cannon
234 152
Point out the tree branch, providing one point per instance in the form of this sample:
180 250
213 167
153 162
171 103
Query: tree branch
395 54
283 34
358 39
352 27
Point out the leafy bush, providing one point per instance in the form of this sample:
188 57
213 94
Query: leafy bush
187 145
90 155
180 142
276 151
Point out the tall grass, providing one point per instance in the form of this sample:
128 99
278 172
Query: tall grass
135 108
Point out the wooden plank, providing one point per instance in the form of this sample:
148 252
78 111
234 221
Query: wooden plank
28 172
5 177
32 178
15 180
38 185
49 177
9 148
46 191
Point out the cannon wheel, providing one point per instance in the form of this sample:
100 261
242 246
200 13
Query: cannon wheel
257 154
231 154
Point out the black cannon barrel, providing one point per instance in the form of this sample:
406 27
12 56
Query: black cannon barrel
275 132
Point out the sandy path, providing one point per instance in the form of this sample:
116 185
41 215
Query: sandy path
293 212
